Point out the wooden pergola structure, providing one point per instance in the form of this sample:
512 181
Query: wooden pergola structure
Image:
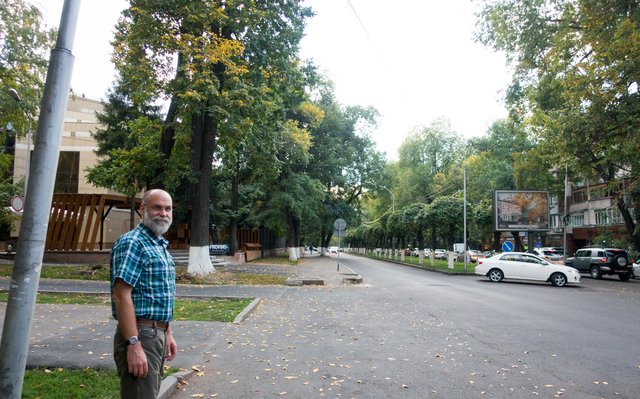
77 220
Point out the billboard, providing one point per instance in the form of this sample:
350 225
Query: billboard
520 210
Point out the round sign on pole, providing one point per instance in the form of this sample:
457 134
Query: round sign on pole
507 246
339 224
17 203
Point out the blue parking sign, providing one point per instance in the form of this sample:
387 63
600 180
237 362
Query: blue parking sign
507 246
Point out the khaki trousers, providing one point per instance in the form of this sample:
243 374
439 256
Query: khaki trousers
153 343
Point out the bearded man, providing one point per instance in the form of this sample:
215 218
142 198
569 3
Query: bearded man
143 278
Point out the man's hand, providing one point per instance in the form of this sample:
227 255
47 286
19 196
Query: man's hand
171 348
137 361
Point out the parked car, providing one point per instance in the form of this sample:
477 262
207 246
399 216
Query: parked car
416 252
472 256
548 254
440 254
598 261
525 266
333 250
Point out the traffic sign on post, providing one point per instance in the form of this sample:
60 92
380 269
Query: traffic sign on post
507 246
17 203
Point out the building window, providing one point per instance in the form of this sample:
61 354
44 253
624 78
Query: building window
68 173
576 219
609 216
602 217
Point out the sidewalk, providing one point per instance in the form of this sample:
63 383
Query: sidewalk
79 336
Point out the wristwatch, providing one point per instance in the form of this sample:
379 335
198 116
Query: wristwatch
133 340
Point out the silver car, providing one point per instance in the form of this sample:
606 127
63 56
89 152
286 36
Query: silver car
548 254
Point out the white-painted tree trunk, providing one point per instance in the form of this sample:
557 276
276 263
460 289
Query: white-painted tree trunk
293 253
323 251
199 261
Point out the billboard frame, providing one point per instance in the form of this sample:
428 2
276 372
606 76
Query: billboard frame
508 213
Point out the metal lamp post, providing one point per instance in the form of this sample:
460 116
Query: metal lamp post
33 229
27 159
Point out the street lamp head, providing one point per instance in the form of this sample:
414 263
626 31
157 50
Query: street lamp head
14 94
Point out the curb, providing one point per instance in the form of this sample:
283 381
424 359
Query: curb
170 383
247 311
349 276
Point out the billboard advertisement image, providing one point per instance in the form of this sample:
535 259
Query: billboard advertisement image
521 210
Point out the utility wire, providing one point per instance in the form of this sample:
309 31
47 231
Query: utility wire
366 32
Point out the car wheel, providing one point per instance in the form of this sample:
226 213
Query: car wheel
595 272
558 279
621 261
624 276
495 275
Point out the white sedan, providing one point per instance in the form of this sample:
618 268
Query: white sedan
526 266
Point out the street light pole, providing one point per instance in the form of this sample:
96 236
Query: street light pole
33 229
27 158
464 218
564 218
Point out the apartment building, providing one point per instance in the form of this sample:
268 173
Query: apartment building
590 210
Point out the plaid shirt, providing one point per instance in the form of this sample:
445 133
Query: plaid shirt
140 259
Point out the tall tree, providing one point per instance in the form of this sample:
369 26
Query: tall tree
202 56
127 146
416 219
25 43
448 211
428 151
577 67
345 160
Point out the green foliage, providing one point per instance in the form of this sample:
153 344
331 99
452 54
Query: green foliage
70 383
128 144
24 50
481 226
575 83
73 272
344 160
234 83
427 152
448 212
416 217
216 309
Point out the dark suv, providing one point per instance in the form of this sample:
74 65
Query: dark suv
600 261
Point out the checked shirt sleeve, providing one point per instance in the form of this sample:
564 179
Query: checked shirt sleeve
126 257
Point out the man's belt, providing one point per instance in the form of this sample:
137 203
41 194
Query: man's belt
161 325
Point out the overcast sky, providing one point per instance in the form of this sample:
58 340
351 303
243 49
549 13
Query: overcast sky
413 60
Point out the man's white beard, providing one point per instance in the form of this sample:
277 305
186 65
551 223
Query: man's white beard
158 225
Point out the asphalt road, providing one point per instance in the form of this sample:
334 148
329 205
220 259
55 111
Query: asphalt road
410 333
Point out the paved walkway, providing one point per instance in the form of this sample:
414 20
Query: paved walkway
78 336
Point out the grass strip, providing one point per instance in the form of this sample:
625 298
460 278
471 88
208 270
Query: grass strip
101 273
56 383
195 309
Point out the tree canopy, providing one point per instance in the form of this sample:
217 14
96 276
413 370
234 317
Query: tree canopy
25 43
575 85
